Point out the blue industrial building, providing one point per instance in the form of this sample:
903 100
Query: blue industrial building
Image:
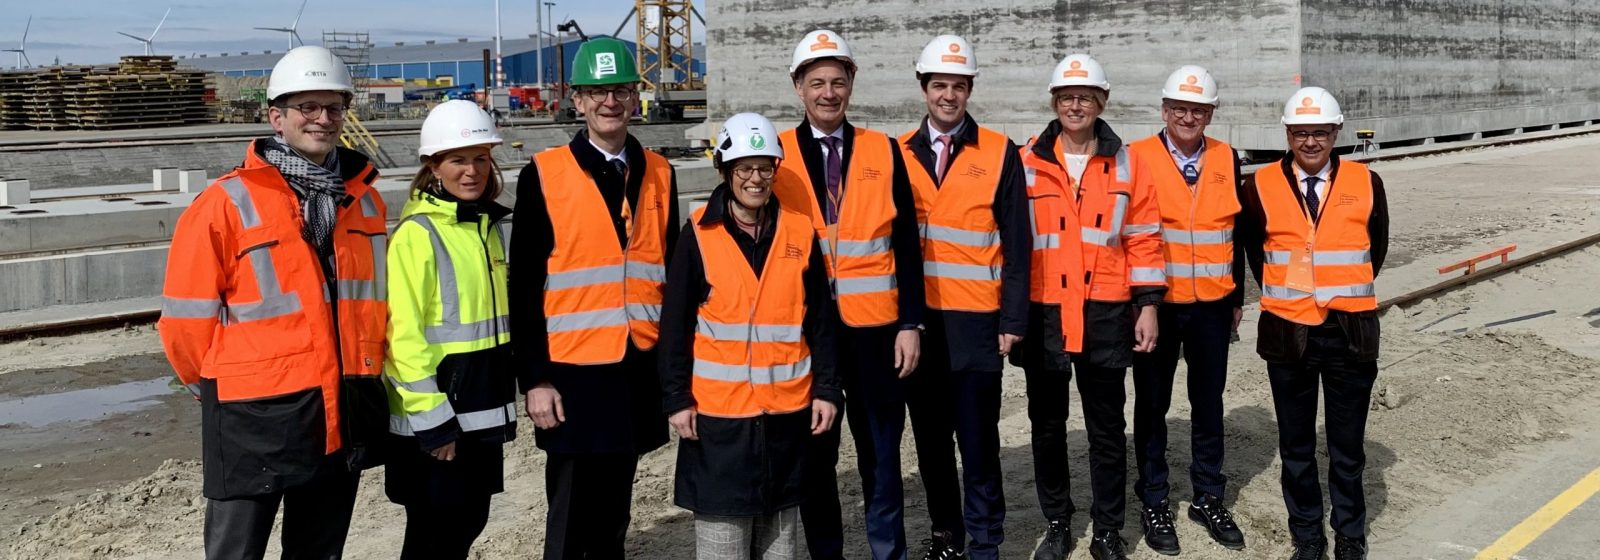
462 60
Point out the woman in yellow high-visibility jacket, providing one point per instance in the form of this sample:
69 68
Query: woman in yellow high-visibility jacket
452 391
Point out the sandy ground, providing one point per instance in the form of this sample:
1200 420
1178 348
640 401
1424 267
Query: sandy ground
1449 409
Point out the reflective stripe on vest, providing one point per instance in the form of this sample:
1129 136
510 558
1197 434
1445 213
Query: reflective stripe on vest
961 253
451 328
750 352
599 294
1196 220
860 260
274 302
1340 249
496 417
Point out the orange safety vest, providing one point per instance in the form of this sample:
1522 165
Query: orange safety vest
859 248
1196 223
259 320
1334 254
960 238
750 351
598 293
1111 224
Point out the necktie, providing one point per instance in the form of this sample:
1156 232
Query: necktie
939 165
1313 202
621 167
1190 174
835 192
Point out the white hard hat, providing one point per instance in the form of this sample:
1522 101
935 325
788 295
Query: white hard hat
745 135
1079 70
1191 83
948 54
457 124
1312 105
308 68
820 44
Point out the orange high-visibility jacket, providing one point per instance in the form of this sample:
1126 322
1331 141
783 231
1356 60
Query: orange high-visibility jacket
1112 224
1339 245
750 352
1196 224
960 238
245 305
861 258
598 293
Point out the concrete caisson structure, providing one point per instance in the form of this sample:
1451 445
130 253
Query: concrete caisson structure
1412 71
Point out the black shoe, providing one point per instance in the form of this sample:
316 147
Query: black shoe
1310 550
1056 543
1160 534
1108 545
1345 548
943 546
1208 510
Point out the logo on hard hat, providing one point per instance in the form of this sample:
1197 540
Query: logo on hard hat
1076 71
468 132
316 74
955 47
824 44
953 58
1190 87
1306 107
605 64
757 141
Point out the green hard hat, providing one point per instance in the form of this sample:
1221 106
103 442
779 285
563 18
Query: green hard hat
602 62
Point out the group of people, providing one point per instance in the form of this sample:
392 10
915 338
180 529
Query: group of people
836 274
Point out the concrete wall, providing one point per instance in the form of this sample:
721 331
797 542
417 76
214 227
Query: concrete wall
1398 62
1444 67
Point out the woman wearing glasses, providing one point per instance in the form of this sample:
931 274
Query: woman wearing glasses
1097 278
452 393
747 363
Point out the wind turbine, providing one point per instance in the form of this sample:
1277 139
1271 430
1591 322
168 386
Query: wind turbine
22 48
150 43
294 35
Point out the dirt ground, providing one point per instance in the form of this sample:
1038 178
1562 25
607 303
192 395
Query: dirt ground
1449 408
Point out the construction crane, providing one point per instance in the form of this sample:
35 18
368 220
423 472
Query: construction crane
665 55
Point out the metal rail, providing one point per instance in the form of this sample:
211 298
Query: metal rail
1487 273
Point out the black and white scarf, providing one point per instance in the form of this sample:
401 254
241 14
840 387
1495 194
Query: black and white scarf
320 187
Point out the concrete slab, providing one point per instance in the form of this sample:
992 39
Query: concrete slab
22 320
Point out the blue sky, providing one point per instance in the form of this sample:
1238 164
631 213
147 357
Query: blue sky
85 31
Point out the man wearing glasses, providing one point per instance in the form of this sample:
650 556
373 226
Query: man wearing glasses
1197 189
273 316
852 183
596 221
1315 230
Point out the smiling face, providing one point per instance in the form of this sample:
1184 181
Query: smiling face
1312 144
603 111
750 179
467 173
1077 107
1186 120
824 88
316 137
946 95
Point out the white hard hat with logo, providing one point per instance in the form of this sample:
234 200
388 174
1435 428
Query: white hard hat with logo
746 135
948 54
457 124
1079 70
820 44
309 68
1312 105
1191 83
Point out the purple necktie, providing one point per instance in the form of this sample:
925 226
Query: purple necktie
835 197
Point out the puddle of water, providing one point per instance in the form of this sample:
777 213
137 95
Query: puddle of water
84 404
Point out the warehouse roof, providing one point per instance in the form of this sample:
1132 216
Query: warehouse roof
387 53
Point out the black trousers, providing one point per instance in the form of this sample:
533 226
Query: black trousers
1102 393
875 408
591 502
959 409
316 518
447 502
444 532
1198 332
1347 390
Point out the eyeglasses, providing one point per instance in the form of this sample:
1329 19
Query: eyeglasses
1199 113
1319 135
744 172
1076 100
622 95
313 110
